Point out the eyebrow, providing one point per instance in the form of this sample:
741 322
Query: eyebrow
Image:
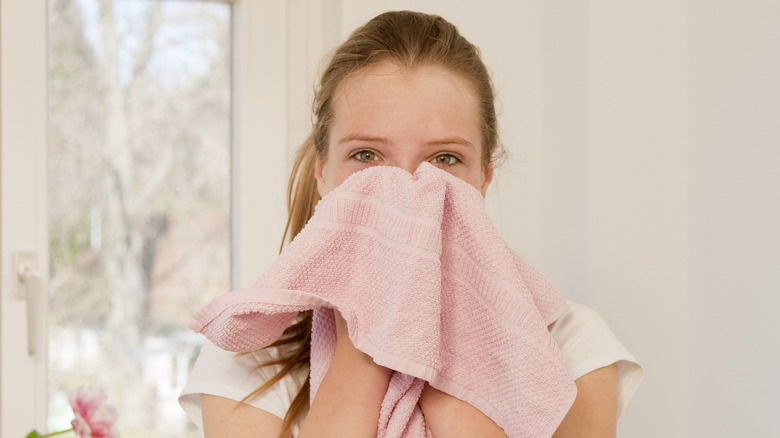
451 140
372 139
364 138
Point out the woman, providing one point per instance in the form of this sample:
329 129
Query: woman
404 89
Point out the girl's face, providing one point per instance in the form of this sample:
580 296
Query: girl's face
388 116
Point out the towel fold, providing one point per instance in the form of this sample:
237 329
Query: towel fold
427 287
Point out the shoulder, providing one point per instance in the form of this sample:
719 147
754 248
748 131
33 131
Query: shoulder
586 344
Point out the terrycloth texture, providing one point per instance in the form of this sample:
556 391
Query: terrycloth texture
427 288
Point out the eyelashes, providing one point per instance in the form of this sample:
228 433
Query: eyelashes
443 159
366 155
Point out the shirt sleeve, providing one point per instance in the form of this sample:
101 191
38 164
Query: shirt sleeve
235 376
587 344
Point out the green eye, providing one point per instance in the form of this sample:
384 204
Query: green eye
445 159
366 156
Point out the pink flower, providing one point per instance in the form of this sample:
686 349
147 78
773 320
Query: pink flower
94 417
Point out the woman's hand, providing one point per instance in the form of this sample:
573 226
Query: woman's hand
350 396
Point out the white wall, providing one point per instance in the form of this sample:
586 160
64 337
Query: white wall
645 143
637 200
735 217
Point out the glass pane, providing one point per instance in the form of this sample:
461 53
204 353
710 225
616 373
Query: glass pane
139 199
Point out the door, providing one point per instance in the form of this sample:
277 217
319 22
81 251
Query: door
131 136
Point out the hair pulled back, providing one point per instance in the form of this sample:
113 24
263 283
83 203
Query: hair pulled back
407 39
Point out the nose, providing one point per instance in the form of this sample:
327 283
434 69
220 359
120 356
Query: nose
409 164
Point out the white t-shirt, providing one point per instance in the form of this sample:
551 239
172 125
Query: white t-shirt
583 337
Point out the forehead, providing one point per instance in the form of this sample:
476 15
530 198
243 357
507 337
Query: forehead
385 99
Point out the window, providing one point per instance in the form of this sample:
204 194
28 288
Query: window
139 199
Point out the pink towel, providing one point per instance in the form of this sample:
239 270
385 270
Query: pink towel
428 289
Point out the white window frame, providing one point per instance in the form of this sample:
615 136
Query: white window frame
22 207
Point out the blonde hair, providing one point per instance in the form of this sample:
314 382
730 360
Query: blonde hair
407 39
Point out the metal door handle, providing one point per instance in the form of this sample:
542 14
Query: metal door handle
27 286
